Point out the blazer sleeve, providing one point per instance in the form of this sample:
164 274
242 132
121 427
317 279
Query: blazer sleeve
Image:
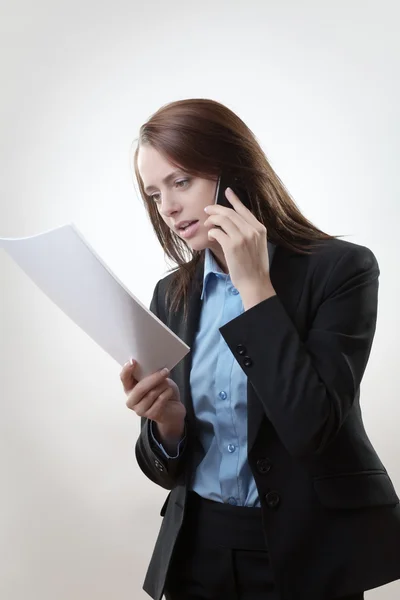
154 463
307 387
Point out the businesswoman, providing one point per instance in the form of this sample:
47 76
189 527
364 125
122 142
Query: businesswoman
276 492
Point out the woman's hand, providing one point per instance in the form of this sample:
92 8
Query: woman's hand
244 242
157 398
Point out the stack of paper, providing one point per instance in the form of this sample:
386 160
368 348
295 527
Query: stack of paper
67 269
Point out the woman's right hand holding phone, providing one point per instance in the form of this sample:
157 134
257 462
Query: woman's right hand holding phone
156 397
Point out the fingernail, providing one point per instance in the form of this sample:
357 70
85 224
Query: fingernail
133 362
165 371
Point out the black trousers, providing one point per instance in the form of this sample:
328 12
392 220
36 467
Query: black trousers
221 554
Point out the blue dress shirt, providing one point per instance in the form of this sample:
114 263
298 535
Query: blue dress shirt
219 393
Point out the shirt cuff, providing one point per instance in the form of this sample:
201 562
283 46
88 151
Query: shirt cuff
162 447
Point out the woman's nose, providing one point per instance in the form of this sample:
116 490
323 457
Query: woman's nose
168 205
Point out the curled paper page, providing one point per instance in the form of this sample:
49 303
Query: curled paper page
67 269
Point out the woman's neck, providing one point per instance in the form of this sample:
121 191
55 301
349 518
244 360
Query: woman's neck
220 260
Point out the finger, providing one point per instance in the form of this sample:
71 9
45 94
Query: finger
237 206
157 410
244 212
235 227
145 386
242 222
231 226
148 400
145 402
218 235
127 376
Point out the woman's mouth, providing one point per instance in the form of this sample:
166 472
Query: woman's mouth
189 230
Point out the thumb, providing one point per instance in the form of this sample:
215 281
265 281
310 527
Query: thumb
127 376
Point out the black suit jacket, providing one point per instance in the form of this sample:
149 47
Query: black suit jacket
330 511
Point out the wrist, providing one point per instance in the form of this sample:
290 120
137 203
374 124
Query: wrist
170 434
257 294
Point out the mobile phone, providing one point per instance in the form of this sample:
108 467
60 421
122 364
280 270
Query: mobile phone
226 181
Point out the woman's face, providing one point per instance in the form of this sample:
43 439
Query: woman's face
178 196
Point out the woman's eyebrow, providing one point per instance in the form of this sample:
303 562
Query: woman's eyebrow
166 180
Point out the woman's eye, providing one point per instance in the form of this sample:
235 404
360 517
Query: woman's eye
181 182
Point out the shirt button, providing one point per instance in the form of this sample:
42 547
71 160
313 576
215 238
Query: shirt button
232 501
231 448
223 395
234 291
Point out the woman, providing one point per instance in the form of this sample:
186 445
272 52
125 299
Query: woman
276 490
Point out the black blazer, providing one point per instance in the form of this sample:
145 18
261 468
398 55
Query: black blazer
330 511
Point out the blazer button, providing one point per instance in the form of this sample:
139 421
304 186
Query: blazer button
263 465
272 499
247 361
241 349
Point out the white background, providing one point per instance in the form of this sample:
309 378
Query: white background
318 83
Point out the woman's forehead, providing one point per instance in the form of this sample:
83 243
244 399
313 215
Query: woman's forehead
152 163
155 169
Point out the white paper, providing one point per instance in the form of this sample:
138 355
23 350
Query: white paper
67 269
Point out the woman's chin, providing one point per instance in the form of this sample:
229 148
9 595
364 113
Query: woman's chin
199 243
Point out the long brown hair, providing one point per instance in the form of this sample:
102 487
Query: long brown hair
204 137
